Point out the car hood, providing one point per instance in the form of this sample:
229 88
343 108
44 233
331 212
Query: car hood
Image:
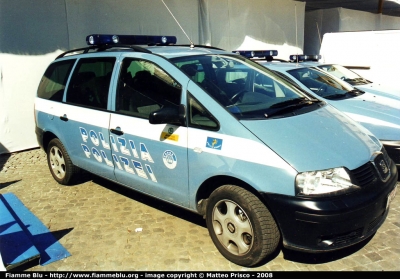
383 120
381 97
385 91
321 139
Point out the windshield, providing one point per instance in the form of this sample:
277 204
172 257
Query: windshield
243 87
323 84
344 74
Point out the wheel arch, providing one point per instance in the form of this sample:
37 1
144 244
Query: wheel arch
47 137
212 183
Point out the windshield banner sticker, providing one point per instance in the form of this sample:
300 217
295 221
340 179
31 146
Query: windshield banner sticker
214 143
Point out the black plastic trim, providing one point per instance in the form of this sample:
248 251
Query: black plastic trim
39 136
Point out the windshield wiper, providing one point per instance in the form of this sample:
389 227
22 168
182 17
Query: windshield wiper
294 101
355 92
349 94
290 105
357 81
336 96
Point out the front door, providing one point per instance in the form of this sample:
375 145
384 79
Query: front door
149 158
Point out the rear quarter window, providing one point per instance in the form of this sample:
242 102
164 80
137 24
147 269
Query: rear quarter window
55 78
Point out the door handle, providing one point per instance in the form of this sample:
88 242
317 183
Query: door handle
117 131
64 117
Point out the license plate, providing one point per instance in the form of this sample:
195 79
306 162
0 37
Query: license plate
391 197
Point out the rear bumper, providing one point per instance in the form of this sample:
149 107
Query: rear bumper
39 136
327 224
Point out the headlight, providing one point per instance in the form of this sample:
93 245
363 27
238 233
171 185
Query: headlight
324 182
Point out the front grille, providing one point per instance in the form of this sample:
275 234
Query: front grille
367 173
363 175
350 237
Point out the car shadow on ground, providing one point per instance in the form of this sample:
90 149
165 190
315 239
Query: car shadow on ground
3 160
6 184
148 200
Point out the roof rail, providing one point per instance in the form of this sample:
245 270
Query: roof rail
103 48
203 46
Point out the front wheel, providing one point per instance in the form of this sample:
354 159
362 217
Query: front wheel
241 226
60 164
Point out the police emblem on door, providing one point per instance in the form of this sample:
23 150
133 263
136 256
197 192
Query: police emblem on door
169 159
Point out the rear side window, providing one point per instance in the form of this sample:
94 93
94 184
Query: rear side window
144 87
55 78
90 82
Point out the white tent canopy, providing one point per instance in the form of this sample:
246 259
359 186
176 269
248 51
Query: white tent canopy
33 33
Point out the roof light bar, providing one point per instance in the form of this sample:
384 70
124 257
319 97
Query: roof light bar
304 57
104 39
256 53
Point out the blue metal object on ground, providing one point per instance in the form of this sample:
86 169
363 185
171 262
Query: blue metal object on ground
23 237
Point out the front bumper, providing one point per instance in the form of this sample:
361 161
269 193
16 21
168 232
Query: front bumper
326 224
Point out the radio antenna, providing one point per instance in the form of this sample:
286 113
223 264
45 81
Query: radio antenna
320 41
191 43
297 44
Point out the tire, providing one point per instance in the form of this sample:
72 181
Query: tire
60 164
241 226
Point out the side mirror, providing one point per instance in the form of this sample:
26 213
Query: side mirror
169 115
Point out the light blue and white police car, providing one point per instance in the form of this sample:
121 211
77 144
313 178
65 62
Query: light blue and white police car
389 93
379 116
218 134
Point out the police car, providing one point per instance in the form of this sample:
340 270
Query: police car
351 77
215 133
378 115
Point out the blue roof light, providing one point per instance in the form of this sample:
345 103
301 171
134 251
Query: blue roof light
256 53
304 57
104 39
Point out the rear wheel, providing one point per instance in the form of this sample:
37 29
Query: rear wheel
60 164
241 226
